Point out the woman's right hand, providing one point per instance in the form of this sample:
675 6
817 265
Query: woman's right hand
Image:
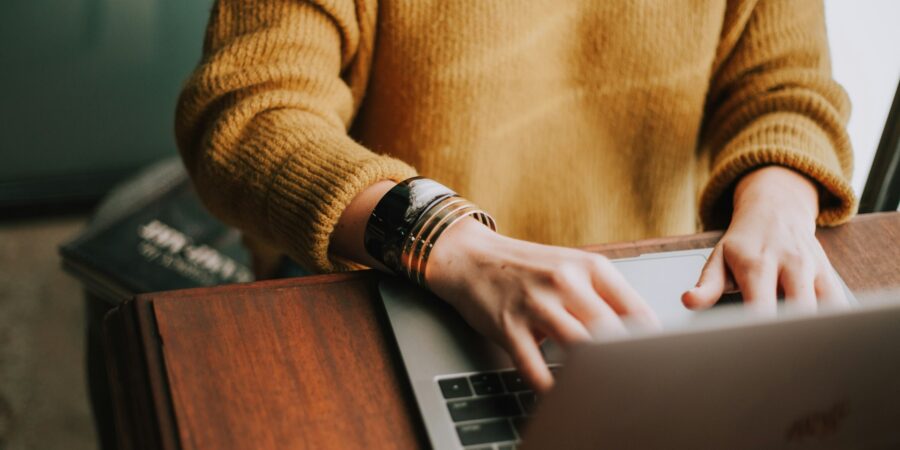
517 293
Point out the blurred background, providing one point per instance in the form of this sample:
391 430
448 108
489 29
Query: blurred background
89 89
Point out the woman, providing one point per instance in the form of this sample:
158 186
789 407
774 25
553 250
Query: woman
570 122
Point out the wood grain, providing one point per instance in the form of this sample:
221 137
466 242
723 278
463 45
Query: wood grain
309 365
866 252
310 362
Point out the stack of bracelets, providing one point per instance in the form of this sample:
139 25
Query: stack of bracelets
408 221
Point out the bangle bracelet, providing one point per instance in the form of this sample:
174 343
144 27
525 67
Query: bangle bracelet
422 234
438 225
408 221
396 214
414 243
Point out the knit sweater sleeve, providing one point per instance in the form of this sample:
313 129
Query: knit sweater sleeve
772 101
262 122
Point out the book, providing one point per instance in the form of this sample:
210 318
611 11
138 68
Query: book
152 233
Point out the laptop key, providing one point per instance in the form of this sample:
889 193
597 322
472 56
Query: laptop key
486 383
455 387
484 432
484 408
514 381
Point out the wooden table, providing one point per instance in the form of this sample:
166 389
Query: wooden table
310 362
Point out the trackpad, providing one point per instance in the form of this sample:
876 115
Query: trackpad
661 280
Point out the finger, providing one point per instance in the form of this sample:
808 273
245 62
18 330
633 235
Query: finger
828 289
758 281
561 326
798 283
711 285
591 310
527 357
615 290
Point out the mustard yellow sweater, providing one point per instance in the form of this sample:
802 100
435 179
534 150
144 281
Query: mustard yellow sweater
572 122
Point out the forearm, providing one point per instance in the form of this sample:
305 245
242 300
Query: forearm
772 101
264 135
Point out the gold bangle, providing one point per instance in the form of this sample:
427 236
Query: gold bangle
420 258
415 239
430 227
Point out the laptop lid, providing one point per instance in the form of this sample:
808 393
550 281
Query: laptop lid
821 381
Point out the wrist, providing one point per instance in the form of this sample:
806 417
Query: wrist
777 189
456 250
410 219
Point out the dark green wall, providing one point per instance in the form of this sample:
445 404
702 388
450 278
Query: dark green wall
89 89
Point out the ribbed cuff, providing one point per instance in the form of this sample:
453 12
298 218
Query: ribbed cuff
306 197
789 140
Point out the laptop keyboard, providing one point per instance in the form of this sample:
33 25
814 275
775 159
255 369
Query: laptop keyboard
489 409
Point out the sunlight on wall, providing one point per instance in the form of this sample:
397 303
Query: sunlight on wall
864 39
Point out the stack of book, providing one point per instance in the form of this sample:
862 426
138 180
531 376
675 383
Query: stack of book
153 234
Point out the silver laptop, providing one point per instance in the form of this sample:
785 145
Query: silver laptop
714 379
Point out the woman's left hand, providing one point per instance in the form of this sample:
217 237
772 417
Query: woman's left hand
770 247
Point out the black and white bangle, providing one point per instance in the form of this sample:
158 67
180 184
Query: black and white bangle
408 221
